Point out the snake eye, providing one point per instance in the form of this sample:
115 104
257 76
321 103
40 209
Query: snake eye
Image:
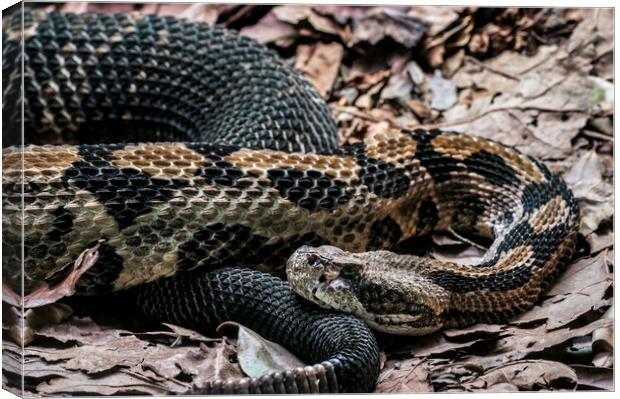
312 258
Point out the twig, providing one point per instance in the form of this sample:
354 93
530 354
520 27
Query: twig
597 135
496 71
466 240
364 116
476 117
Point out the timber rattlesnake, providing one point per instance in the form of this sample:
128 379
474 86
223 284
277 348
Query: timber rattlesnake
249 172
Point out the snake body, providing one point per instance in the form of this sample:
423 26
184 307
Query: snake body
235 162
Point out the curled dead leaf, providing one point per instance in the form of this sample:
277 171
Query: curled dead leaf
57 286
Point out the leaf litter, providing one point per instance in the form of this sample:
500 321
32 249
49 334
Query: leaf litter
537 79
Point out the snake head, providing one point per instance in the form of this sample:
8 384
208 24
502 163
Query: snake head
370 286
327 276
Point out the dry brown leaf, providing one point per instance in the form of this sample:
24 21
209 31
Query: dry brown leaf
106 361
202 365
519 343
294 14
475 331
581 290
595 195
192 12
435 45
271 30
528 375
108 351
581 274
123 382
379 23
410 376
603 342
320 65
599 242
438 18
589 377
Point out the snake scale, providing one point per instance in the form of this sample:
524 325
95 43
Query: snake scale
203 161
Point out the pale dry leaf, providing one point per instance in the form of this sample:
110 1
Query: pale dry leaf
211 364
257 355
399 87
599 242
443 92
596 27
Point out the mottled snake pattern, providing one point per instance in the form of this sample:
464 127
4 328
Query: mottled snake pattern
202 160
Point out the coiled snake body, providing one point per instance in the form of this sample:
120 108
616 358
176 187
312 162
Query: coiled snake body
236 163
